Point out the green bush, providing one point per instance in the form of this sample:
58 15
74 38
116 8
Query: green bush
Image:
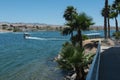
10 29
72 56
4 27
16 30
85 37
116 35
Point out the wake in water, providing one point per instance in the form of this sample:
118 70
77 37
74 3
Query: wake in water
52 39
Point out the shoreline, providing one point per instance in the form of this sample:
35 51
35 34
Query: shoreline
4 31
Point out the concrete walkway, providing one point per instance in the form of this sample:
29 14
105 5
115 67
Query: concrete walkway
103 48
110 64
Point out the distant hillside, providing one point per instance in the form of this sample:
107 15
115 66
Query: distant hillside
28 26
101 27
18 27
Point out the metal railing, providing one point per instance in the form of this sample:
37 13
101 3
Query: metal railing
94 68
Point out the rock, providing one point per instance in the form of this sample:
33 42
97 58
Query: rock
71 77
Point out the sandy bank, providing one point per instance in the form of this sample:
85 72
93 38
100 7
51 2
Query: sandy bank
1 30
91 45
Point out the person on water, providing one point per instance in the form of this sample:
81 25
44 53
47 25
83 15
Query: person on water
26 35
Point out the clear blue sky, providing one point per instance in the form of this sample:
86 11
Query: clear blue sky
47 11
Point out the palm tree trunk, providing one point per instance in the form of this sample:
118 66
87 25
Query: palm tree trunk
71 34
108 28
72 40
105 18
105 28
116 22
80 37
80 74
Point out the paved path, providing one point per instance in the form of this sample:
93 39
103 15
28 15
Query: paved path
103 48
110 64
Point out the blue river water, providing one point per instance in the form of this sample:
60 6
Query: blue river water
31 59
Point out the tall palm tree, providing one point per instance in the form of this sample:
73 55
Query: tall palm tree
108 18
105 18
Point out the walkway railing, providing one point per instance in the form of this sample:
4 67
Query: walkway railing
94 68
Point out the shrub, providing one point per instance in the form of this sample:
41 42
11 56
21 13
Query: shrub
73 58
16 30
85 37
116 35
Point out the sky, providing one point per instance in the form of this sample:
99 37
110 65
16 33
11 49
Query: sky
48 11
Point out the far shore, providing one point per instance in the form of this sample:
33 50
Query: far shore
21 27
1 30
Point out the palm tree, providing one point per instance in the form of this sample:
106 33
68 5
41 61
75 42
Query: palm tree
108 18
76 22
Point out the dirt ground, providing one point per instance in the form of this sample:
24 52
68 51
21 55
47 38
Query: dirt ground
92 44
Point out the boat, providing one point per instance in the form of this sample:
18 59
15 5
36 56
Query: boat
26 35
